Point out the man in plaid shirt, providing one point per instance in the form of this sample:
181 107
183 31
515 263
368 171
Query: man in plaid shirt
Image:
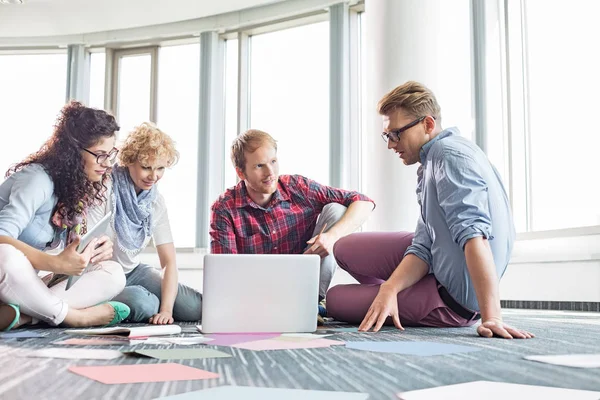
266 213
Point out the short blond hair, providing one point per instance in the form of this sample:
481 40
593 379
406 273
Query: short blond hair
413 98
147 141
249 141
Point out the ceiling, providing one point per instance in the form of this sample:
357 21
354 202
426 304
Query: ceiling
71 17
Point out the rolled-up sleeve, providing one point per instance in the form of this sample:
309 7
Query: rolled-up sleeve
321 195
421 244
31 189
463 196
222 234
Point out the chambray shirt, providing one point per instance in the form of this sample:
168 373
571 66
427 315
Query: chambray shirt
26 203
461 197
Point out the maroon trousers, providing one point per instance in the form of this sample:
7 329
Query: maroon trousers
370 258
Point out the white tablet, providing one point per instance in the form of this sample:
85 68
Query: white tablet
97 231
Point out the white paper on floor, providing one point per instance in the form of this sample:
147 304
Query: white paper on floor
497 391
184 341
69 353
585 321
569 360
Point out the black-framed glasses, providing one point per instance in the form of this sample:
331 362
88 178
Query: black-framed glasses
394 135
101 158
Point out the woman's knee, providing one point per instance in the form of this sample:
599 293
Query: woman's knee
115 271
12 262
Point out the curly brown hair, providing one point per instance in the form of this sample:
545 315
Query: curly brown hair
77 127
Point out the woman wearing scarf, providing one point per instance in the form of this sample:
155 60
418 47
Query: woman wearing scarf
140 213
43 204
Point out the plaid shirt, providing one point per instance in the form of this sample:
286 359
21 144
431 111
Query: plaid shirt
239 225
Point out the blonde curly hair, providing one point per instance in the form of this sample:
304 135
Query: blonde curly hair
147 141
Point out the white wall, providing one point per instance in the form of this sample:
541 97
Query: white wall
68 17
423 40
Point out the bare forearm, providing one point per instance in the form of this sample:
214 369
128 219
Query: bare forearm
410 271
37 258
353 218
169 288
480 263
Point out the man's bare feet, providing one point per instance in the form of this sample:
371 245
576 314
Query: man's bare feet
98 315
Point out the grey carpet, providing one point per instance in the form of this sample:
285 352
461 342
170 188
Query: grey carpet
335 368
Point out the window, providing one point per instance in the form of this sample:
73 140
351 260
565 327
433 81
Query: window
97 78
178 83
551 97
134 91
231 107
562 86
32 94
289 80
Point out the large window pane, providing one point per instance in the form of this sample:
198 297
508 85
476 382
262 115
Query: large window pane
97 77
134 91
231 107
563 87
178 85
32 92
290 96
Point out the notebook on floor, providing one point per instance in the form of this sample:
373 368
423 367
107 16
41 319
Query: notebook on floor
137 331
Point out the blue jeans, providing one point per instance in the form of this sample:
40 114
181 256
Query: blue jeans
142 294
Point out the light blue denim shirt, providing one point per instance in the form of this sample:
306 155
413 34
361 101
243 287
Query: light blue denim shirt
461 197
26 203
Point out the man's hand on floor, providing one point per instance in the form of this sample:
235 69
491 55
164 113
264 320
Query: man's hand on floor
494 327
384 305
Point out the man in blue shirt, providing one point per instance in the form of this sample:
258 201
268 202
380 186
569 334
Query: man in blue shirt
448 272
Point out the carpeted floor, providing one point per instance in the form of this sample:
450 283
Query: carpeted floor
334 369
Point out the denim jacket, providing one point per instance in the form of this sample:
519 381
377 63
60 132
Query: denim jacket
27 201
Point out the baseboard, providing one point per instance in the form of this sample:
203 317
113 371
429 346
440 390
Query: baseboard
553 305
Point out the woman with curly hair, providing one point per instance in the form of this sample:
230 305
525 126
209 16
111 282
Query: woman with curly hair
140 213
43 204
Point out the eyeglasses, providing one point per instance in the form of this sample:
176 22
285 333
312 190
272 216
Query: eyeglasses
394 135
101 158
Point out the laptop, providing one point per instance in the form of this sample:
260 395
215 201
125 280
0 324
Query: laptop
260 293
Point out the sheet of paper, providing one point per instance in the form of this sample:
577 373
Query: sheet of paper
497 391
305 335
299 337
94 342
183 341
256 393
585 321
89 354
228 339
182 353
412 348
336 330
138 373
20 335
273 344
570 360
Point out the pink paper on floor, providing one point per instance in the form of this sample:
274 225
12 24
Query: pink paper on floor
137 373
228 339
272 344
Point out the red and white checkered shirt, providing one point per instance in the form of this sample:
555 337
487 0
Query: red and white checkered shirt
239 225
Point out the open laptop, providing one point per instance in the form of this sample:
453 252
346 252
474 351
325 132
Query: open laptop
260 293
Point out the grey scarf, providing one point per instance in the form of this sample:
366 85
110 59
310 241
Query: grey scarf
132 213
